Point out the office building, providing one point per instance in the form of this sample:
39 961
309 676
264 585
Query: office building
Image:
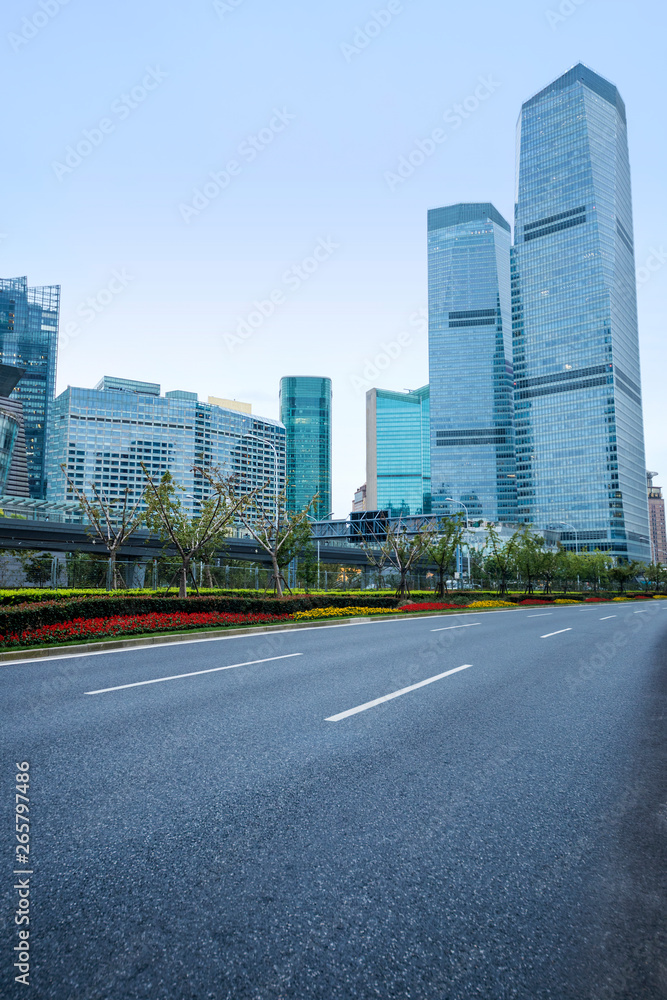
398 477
578 410
359 502
470 372
305 410
28 339
656 517
103 435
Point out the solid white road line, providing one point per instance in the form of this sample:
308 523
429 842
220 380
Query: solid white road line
193 673
544 614
394 694
555 633
607 617
446 628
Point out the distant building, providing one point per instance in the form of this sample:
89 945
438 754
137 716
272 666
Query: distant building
577 406
398 475
470 362
13 459
656 517
28 339
359 502
103 435
229 404
305 410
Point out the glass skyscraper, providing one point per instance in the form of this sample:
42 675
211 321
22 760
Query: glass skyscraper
470 371
305 410
578 409
103 435
398 473
28 339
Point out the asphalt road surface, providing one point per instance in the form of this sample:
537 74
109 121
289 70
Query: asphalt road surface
239 832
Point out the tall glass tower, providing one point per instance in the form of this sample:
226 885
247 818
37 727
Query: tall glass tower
470 371
578 408
29 339
398 468
305 410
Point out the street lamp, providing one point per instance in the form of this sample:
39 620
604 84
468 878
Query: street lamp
271 445
311 518
452 500
566 524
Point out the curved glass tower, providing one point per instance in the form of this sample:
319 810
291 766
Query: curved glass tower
578 409
470 372
305 410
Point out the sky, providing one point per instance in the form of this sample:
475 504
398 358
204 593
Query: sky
223 188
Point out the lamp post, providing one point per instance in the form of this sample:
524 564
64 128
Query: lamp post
271 445
318 542
566 524
452 500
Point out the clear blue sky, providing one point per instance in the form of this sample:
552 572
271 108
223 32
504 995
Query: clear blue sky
210 78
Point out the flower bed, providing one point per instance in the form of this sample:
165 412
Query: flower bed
491 604
316 613
91 629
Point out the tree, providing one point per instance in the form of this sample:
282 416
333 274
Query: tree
656 575
528 555
376 555
622 572
111 519
36 565
404 550
308 566
279 532
192 535
548 569
443 546
566 568
501 561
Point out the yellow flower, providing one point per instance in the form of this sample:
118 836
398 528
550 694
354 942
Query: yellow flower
315 613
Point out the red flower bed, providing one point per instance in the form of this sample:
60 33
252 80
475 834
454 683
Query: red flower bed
537 600
430 607
595 600
99 628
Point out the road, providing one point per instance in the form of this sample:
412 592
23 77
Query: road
498 832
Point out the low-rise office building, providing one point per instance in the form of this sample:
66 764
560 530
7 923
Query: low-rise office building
106 434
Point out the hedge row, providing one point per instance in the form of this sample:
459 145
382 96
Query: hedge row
28 616
37 596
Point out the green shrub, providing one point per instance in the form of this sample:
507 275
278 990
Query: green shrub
16 619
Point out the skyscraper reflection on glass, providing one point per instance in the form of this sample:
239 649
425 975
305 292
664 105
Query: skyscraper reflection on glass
28 339
470 344
578 409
